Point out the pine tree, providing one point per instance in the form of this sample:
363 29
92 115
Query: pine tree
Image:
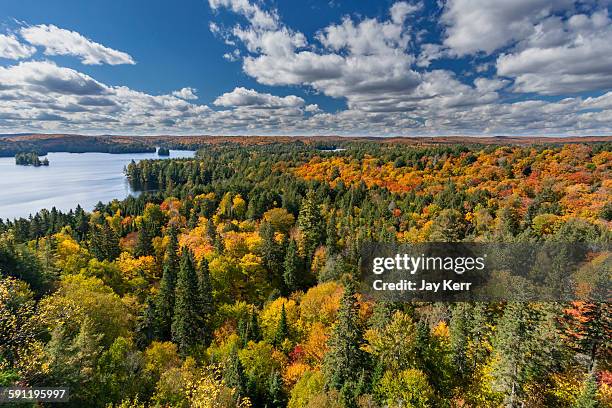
276 394
282 331
588 395
291 275
271 253
186 323
111 243
526 347
332 238
248 329
235 376
345 360
165 299
144 244
104 243
206 302
146 327
309 226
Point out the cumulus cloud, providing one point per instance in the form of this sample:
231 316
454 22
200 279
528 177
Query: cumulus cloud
186 93
484 26
249 97
11 48
385 69
58 41
562 56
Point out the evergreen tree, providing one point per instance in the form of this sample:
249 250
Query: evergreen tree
292 264
271 253
588 395
235 376
165 299
331 240
309 226
144 244
186 322
276 394
248 329
146 327
526 346
282 331
460 329
345 360
206 308
104 242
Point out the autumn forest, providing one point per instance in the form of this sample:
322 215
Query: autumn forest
232 281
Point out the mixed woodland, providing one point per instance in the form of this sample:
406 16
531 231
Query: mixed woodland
231 281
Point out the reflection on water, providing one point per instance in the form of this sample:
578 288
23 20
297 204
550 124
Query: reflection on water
70 179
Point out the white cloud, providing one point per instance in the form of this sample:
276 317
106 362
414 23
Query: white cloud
11 48
560 57
484 25
58 41
369 63
240 97
186 93
400 10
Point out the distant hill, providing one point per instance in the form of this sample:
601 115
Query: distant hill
11 144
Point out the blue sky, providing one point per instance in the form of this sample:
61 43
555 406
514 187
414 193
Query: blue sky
311 67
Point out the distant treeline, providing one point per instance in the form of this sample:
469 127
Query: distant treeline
30 159
41 145
10 145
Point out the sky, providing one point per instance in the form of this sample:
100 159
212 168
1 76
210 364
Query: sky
333 67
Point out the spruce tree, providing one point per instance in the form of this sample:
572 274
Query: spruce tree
282 331
206 308
235 376
165 299
526 347
309 226
588 395
146 327
186 323
104 242
276 394
291 275
144 244
271 253
345 360
331 240
460 329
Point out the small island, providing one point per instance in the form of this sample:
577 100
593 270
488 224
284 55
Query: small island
163 151
30 159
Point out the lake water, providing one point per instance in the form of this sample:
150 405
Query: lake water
70 179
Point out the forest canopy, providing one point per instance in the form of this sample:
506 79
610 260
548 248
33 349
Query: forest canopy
231 281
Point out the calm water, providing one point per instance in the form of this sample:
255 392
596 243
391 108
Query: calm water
70 179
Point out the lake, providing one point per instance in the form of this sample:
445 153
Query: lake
70 179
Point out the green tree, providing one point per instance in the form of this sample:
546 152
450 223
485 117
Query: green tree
331 236
309 226
271 253
526 346
282 330
164 308
588 395
276 393
346 360
186 322
292 264
144 243
206 307
104 242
